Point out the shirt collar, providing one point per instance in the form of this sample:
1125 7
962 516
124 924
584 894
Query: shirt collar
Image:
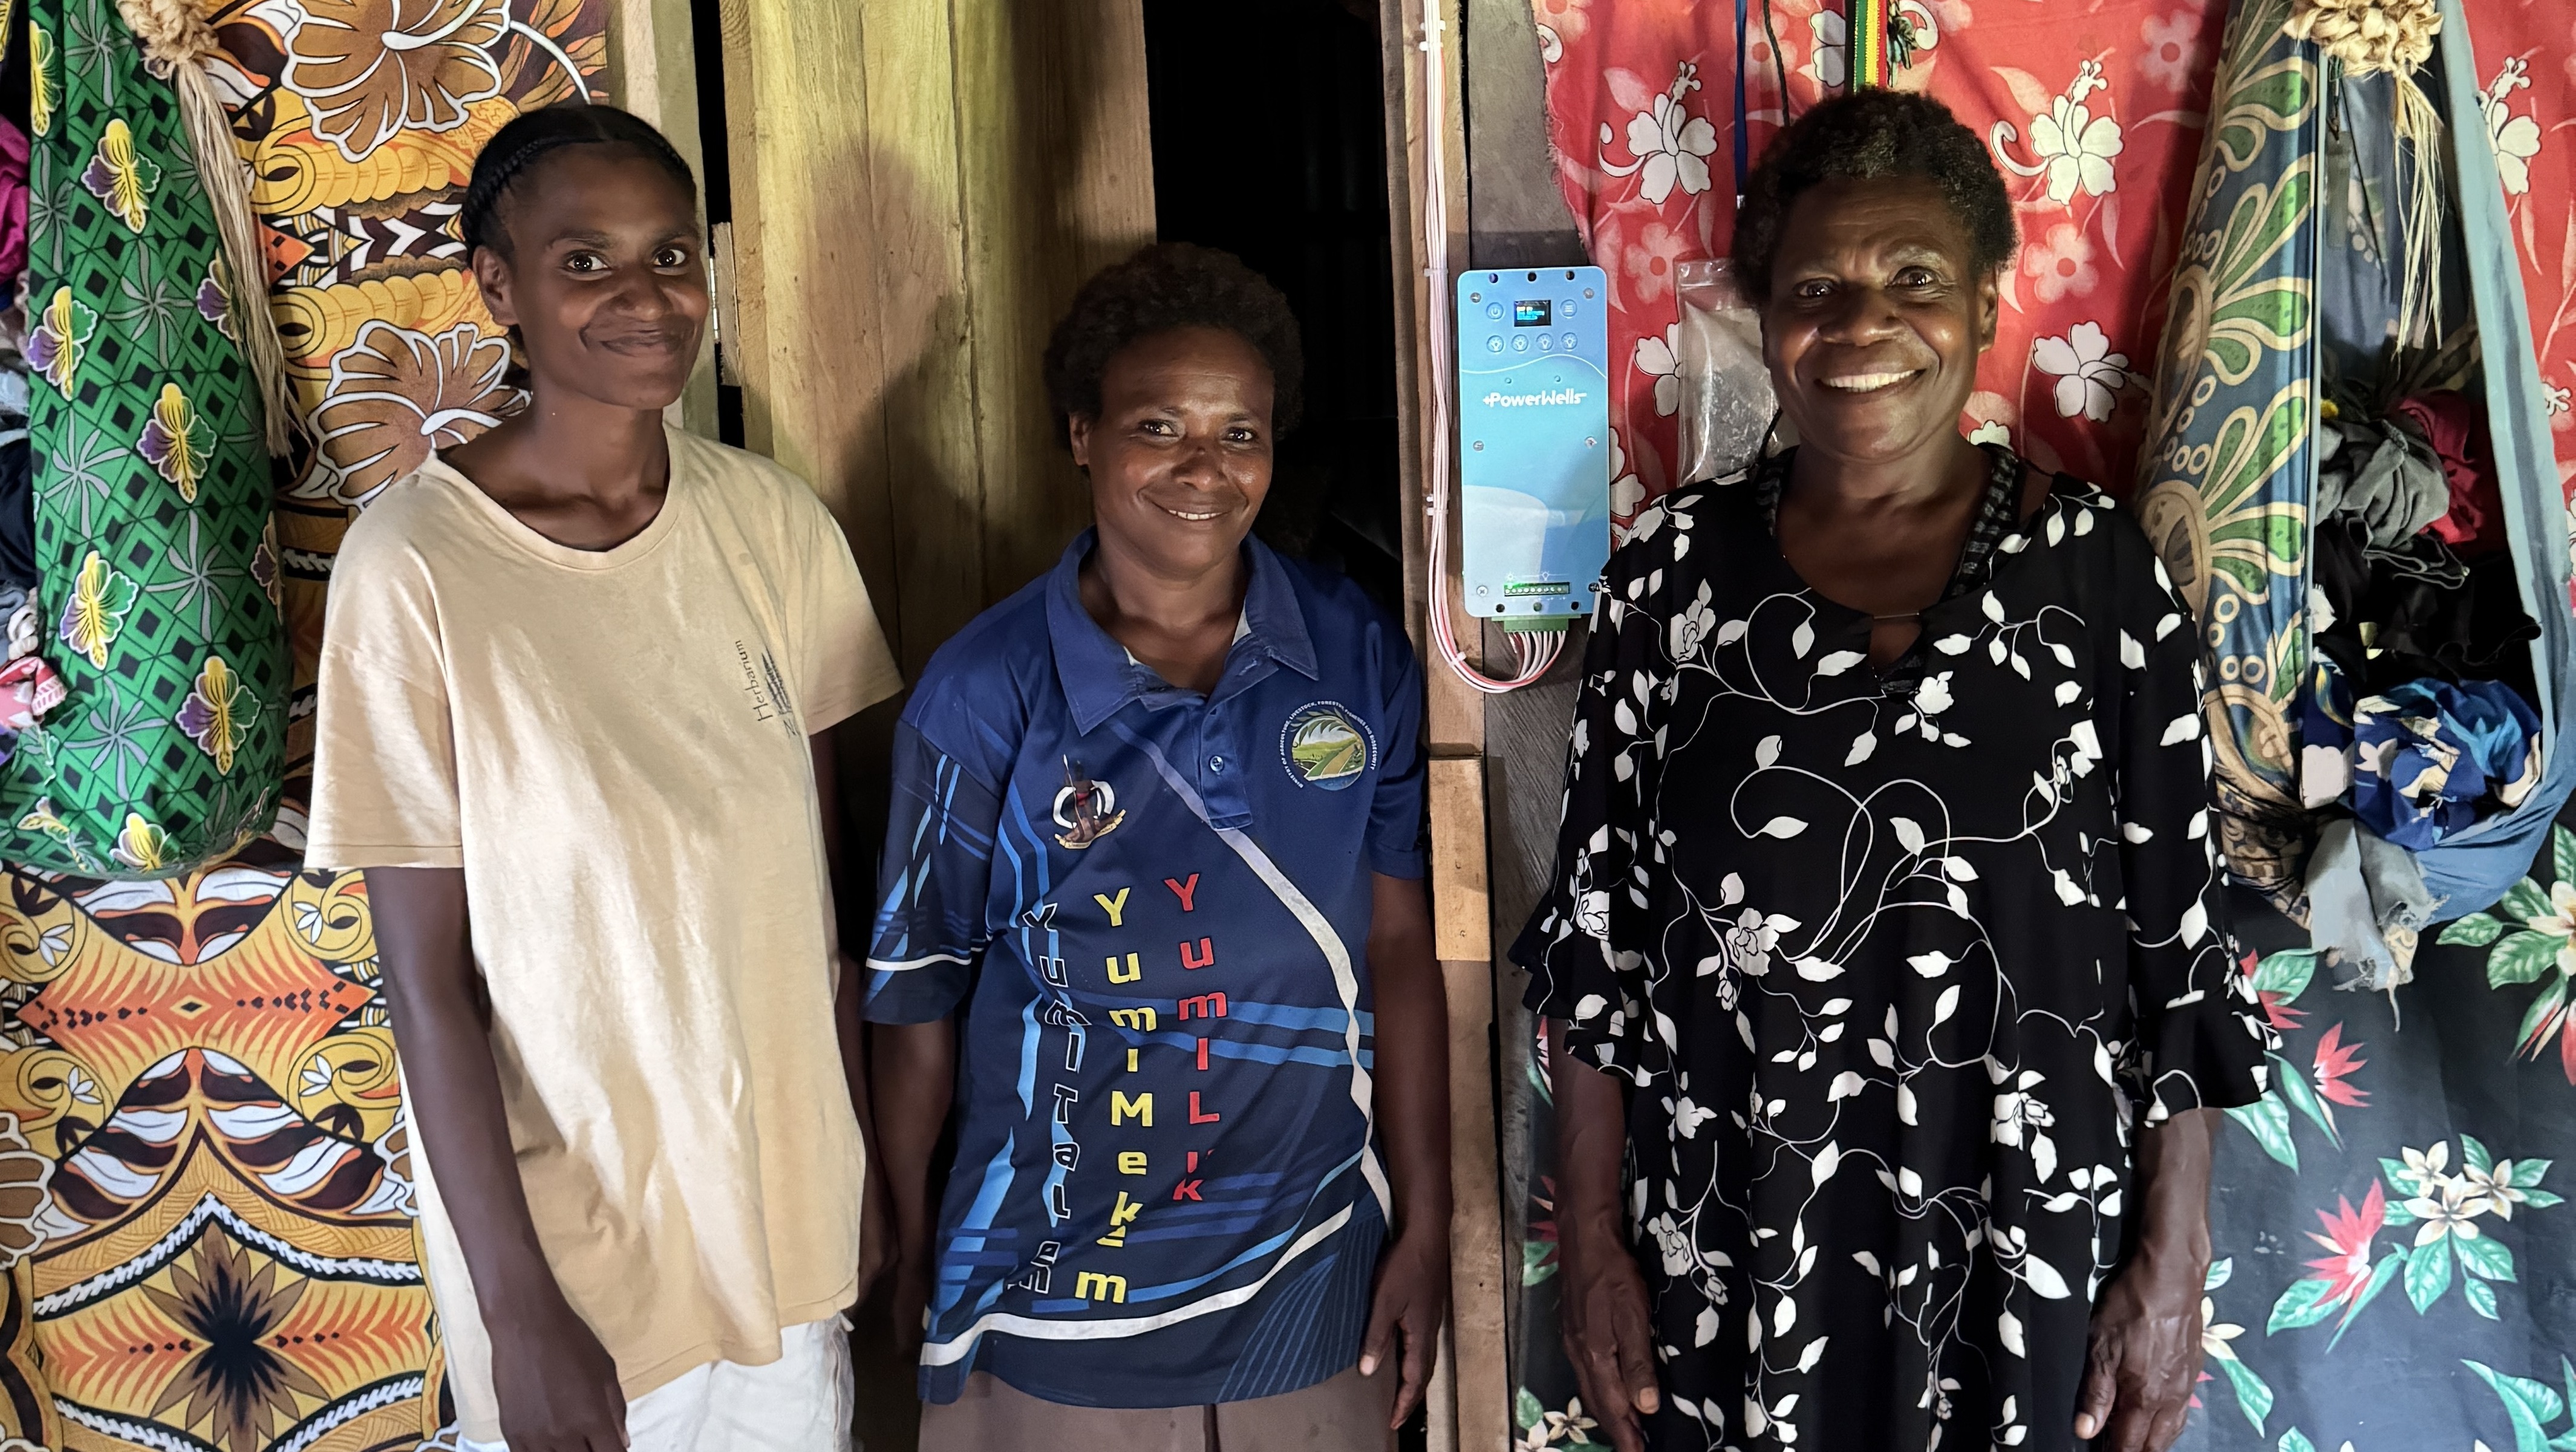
1096 673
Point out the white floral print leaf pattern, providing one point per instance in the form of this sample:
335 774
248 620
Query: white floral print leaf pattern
1882 1122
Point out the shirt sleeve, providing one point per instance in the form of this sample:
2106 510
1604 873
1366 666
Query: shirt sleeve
931 884
842 663
2199 1036
384 768
1395 816
1595 900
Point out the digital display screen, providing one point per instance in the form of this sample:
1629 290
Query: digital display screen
1530 313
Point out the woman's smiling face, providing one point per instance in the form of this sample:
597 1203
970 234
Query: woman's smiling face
1876 318
1179 456
603 274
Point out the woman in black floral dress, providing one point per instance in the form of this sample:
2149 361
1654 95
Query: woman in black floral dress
1885 942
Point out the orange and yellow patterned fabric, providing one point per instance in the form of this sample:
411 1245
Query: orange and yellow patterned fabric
205 1187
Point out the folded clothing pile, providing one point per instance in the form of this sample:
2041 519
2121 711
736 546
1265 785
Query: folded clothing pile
2415 716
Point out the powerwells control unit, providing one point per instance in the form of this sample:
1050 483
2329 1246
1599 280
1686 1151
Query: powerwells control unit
1533 443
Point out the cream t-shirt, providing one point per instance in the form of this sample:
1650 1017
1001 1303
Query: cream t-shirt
611 744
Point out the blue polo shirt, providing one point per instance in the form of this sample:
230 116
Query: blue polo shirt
1150 910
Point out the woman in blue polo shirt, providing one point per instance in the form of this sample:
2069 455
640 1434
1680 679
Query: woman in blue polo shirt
1151 906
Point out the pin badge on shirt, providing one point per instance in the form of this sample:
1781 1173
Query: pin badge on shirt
1087 810
1324 745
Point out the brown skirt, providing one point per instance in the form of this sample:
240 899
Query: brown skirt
1346 1414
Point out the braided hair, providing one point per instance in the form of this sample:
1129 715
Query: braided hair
532 137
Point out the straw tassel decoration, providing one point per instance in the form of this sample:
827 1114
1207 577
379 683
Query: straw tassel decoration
2396 36
176 41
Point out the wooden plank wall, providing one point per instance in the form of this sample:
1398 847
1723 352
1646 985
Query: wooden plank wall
918 188
1472 1395
1497 759
1517 218
653 72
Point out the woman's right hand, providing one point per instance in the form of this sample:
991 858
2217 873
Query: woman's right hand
557 1385
1609 1333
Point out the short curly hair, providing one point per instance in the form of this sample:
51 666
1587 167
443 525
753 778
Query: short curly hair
1863 136
1165 286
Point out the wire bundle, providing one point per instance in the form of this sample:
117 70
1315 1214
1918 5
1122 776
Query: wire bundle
1533 651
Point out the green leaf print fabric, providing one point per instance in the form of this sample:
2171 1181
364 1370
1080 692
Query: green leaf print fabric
152 488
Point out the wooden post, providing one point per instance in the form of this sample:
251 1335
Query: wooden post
918 188
1473 1408
653 72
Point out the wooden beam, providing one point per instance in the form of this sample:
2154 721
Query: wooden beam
1473 1409
927 321
1453 722
1058 173
1479 1327
919 186
653 72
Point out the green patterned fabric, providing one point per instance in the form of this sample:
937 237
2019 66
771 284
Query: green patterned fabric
152 489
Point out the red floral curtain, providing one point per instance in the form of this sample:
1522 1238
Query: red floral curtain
2093 110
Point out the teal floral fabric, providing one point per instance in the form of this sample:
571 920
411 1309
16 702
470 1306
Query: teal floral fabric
2230 463
2395 1253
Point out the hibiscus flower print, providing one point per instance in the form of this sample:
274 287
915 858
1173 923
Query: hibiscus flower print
176 441
215 297
2070 146
369 69
2173 49
1829 64
120 177
1671 146
141 845
217 712
1567 18
1650 262
60 339
1627 491
1659 358
2089 375
95 614
2516 138
2061 265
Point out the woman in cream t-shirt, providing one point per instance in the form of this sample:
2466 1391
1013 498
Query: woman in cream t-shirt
575 684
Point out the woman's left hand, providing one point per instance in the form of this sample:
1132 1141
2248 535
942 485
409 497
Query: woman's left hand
2145 1357
1412 1298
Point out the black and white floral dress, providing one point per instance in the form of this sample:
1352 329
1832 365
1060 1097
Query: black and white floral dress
1895 959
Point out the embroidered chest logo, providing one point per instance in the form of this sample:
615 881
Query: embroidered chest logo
1324 745
764 687
1087 810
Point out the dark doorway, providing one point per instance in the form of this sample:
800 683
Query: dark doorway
1269 142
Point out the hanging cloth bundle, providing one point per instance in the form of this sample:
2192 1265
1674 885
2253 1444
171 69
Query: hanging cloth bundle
152 483
176 43
2394 38
2231 470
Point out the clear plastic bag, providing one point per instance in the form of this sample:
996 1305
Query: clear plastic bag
1727 403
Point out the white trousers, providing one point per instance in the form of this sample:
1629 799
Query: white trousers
799 1403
